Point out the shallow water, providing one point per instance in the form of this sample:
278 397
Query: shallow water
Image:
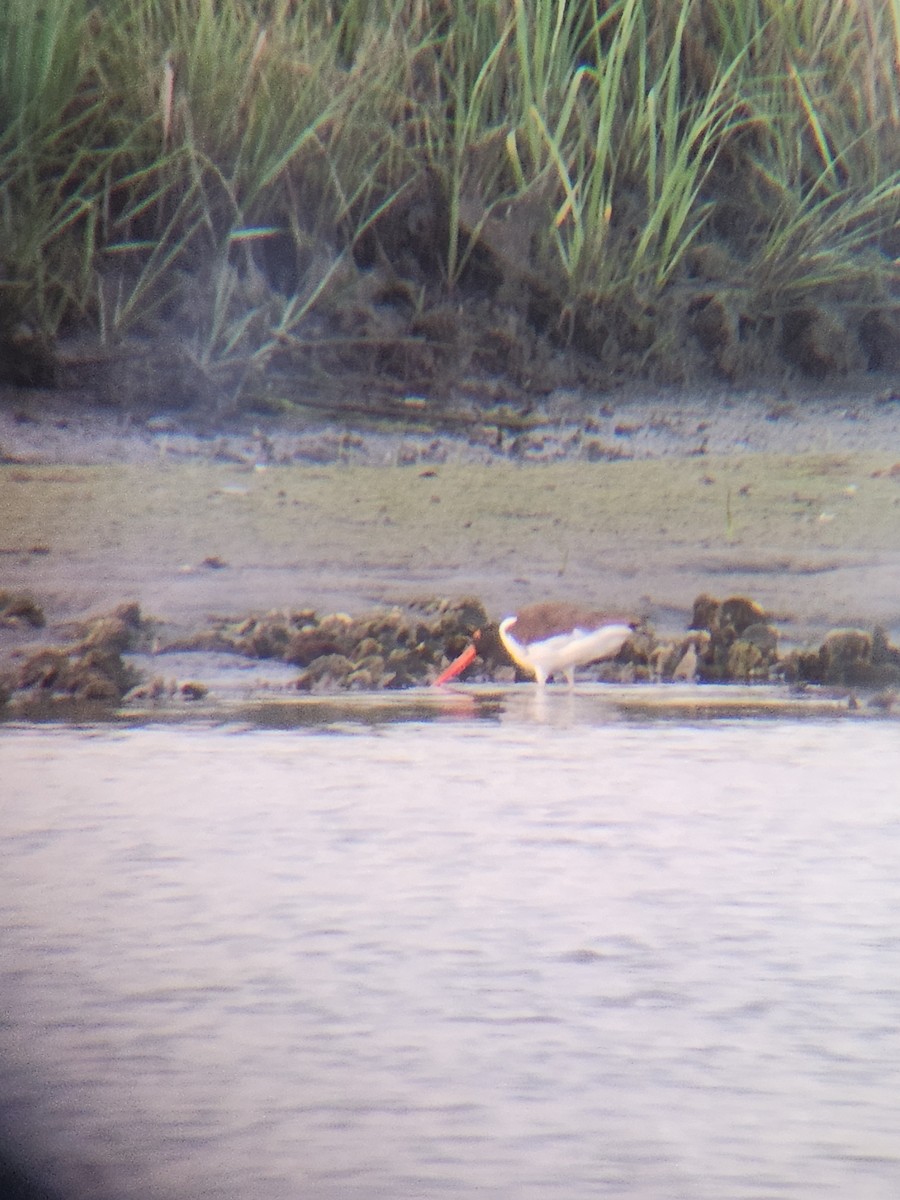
504 957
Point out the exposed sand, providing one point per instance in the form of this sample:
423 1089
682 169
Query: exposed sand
794 503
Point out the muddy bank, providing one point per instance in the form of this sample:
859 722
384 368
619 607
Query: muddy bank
124 661
815 538
860 413
636 503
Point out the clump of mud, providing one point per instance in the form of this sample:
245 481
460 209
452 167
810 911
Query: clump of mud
728 641
57 680
18 610
739 642
393 648
850 658
731 640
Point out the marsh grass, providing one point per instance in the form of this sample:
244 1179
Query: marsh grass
234 171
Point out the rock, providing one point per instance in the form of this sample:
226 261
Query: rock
737 613
336 624
90 683
111 634
639 646
130 613
80 673
407 667
203 640
872 675
326 673
764 637
694 657
18 608
90 670
42 669
153 689
745 661
363 680
415 639
847 657
663 660
673 659
706 613
801 667
367 646
686 668
882 650
843 652
307 645
465 616
100 662
735 619
733 614
372 665
267 639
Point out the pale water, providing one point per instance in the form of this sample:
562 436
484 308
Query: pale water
509 958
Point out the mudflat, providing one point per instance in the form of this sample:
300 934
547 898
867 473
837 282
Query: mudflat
641 505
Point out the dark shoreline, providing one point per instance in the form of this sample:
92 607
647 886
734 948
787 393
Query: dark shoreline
637 421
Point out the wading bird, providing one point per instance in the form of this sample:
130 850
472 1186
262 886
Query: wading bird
546 639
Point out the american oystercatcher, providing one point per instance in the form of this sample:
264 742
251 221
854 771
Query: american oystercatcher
545 639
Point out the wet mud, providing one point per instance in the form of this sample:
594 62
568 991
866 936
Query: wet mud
729 641
341 554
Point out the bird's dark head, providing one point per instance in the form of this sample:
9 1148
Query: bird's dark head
463 660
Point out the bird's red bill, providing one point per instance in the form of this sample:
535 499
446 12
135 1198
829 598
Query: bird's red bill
458 665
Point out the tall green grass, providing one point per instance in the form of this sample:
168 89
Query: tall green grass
223 165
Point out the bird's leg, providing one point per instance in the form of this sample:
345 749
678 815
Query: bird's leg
570 677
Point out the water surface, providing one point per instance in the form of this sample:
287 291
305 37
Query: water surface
514 958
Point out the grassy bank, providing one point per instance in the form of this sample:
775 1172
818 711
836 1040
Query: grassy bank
416 190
